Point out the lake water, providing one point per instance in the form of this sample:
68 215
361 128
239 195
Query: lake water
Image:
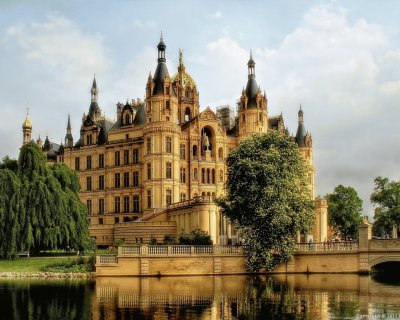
214 297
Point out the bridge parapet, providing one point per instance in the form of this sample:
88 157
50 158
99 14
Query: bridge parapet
384 244
327 247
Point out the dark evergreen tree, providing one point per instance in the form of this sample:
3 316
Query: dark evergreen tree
268 197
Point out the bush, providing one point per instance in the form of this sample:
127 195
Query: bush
169 239
195 237
79 265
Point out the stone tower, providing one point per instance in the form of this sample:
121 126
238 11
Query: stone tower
27 129
253 106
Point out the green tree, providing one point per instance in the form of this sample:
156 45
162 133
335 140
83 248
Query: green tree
8 163
386 198
345 212
40 207
268 198
11 208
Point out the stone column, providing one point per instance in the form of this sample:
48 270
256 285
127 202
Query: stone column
364 235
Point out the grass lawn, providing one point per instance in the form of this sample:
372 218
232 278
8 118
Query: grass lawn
32 264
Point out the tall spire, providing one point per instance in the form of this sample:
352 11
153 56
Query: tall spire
251 66
94 90
69 140
161 70
161 49
301 130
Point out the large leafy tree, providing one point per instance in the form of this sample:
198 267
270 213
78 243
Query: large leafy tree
11 208
268 198
386 198
40 205
345 212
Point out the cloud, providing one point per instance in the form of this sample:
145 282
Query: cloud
144 24
53 65
215 15
345 73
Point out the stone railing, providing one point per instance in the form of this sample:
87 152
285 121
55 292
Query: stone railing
107 259
177 250
327 246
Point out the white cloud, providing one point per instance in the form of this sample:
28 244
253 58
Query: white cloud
215 15
144 24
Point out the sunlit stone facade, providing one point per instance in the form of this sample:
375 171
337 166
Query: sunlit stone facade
156 169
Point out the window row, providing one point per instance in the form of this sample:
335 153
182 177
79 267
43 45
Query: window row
117 181
123 204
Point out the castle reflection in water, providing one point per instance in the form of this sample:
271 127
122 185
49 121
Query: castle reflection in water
300 296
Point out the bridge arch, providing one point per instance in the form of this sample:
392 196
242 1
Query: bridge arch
383 259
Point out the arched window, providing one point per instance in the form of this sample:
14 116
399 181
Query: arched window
187 114
127 119
208 176
213 176
195 174
195 151
203 179
220 153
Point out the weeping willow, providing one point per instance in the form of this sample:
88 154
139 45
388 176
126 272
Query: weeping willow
40 207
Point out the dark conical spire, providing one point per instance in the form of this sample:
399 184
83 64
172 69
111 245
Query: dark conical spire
161 71
252 87
69 140
94 109
301 130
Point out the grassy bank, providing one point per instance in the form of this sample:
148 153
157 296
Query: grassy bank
47 264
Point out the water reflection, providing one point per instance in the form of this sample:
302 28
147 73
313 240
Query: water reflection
224 297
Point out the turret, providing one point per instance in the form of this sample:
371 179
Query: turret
26 129
69 140
94 109
252 107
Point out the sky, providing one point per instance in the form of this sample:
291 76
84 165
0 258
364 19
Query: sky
339 59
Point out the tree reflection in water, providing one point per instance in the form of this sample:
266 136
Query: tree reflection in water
323 296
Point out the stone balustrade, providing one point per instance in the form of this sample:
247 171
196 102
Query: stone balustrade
321 247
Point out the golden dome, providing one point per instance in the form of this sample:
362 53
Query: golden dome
182 76
27 123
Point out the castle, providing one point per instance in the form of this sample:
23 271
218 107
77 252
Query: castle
156 169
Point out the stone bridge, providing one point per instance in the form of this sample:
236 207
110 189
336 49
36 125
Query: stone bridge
344 257
333 257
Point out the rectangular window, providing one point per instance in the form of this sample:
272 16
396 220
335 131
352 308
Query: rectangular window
116 220
167 105
117 204
149 171
116 158
89 206
101 160
183 152
77 164
168 144
148 144
136 203
183 196
100 220
135 155
168 170
126 179
117 180
183 175
126 204
89 183
89 162
126 156
101 206
149 198
136 178
168 197
101 182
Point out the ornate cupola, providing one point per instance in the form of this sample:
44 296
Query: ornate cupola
27 129
252 106
186 89
69 140
94 109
